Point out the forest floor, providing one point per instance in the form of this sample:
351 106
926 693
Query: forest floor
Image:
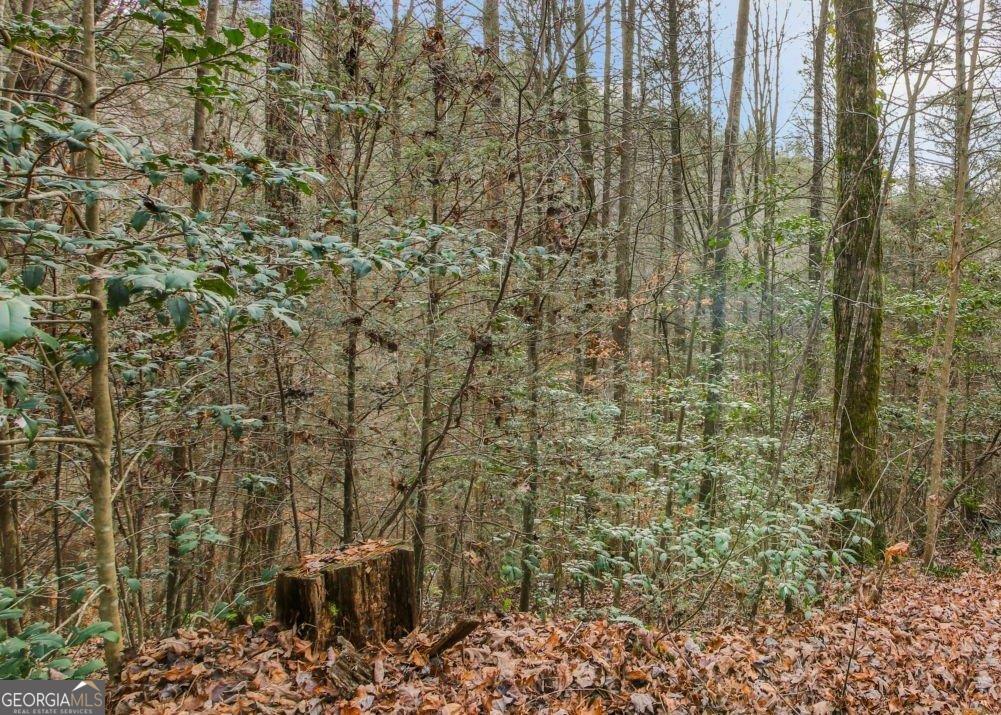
928 644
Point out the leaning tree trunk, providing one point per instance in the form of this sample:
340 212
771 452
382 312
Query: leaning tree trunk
858 300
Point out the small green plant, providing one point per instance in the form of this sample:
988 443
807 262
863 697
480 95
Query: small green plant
37 650
945 571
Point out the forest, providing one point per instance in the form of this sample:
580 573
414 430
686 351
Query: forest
502 356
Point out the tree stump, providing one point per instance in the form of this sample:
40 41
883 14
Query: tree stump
363 593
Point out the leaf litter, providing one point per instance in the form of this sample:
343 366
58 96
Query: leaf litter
930 645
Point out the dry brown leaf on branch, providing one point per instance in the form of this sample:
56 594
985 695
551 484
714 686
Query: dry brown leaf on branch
898 550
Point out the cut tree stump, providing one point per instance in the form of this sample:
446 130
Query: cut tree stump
363 593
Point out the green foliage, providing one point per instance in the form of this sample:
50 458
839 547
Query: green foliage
37 650
191 529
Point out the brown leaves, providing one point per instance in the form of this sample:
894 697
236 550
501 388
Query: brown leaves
311 563
235 671
898 550
931 646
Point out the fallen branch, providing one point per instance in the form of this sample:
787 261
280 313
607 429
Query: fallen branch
455 634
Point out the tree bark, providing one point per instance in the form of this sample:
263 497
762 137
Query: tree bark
719 240
815 248
623 235
529 507
178 472
200 116
281 123
494 194
858 301
606 121
964 117
8 527
100 462
364 593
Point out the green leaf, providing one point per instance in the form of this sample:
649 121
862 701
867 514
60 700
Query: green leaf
139 219
47 340
87 669
179 279
15 321
32 276
13 646
60 664
180 311
30 428
233 35
92 631
289 321
217 285
191 175
361 266
257 29
118 294
84 358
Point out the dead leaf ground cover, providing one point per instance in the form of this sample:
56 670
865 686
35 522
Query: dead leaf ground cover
931 645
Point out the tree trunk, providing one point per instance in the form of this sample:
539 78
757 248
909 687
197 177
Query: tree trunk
529 507
606 122
494 193
719 241
281 122
100 462
354 318
583 114
858 301
623 236
8 527
677 158
178 473
964 117
815 257
436 59
201 111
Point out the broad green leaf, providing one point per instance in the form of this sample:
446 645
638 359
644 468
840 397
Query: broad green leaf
180 311
47 340
87 669
217 285
179 279
191 175
234 36
15 321
118 294
257 29
32 276
139 219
